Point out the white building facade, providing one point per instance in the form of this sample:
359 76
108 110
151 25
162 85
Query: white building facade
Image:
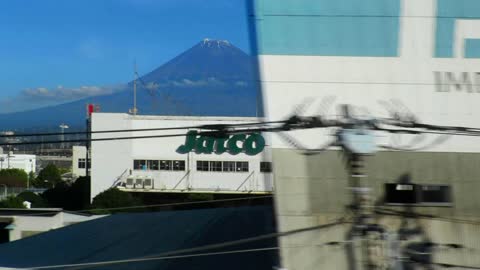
18 161
79 161
22 223
419 57
193 163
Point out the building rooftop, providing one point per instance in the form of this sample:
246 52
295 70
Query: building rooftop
137 235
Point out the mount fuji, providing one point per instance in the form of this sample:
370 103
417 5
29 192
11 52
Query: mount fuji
213 78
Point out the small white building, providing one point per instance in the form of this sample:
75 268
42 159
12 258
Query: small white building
18 161
79 162
194 163
16 223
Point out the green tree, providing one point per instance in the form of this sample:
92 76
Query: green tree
58 196
74 196
12 202
13 177
48 177
79 198
113 198
36 200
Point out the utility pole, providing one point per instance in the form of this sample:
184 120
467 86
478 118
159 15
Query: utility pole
357 142
134 110
90 110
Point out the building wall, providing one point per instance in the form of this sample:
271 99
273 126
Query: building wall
314 191
78 153
18 161
418 56
113 161
28 225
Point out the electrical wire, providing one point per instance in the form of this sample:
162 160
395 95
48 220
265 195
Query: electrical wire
365 16
224 132
392 212
205 133
113 262
153 205
176 253
207 126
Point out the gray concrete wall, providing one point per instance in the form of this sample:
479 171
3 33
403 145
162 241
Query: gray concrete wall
313 190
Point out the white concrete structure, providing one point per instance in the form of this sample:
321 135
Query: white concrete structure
379 56
156 165
18 161
407 69
21 223
79 161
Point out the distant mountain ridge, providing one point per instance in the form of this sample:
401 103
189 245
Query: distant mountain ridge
213 78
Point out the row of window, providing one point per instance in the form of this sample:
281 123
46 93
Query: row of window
203 166
159 165
222 166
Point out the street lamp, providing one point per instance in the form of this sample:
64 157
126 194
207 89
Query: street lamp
9 155
63 127
31 172
4 190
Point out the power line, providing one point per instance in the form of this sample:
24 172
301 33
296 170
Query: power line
81 265
93 140
364 16
175 254
207 126
384 211
369 83
227 131
158 205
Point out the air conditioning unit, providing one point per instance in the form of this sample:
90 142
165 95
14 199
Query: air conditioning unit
138 182
129 182
148 183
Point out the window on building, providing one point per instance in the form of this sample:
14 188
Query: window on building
81 163
265 167
242 166
202 166
139 164
222 166
215 166
166 165
229 166
179 165
152 165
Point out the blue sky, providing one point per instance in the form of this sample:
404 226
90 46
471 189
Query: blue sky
51 47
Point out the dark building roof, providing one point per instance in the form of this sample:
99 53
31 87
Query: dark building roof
135 235
44 212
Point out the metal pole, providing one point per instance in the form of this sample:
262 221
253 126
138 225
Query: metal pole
135 89
361 207
89 137
4 190
63 127
31 172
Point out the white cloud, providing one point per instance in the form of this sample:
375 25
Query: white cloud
33 98
185 83
61 93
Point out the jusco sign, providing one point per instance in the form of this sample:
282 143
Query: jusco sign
250 144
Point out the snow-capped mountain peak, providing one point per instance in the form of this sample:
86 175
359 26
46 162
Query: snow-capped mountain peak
215 43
